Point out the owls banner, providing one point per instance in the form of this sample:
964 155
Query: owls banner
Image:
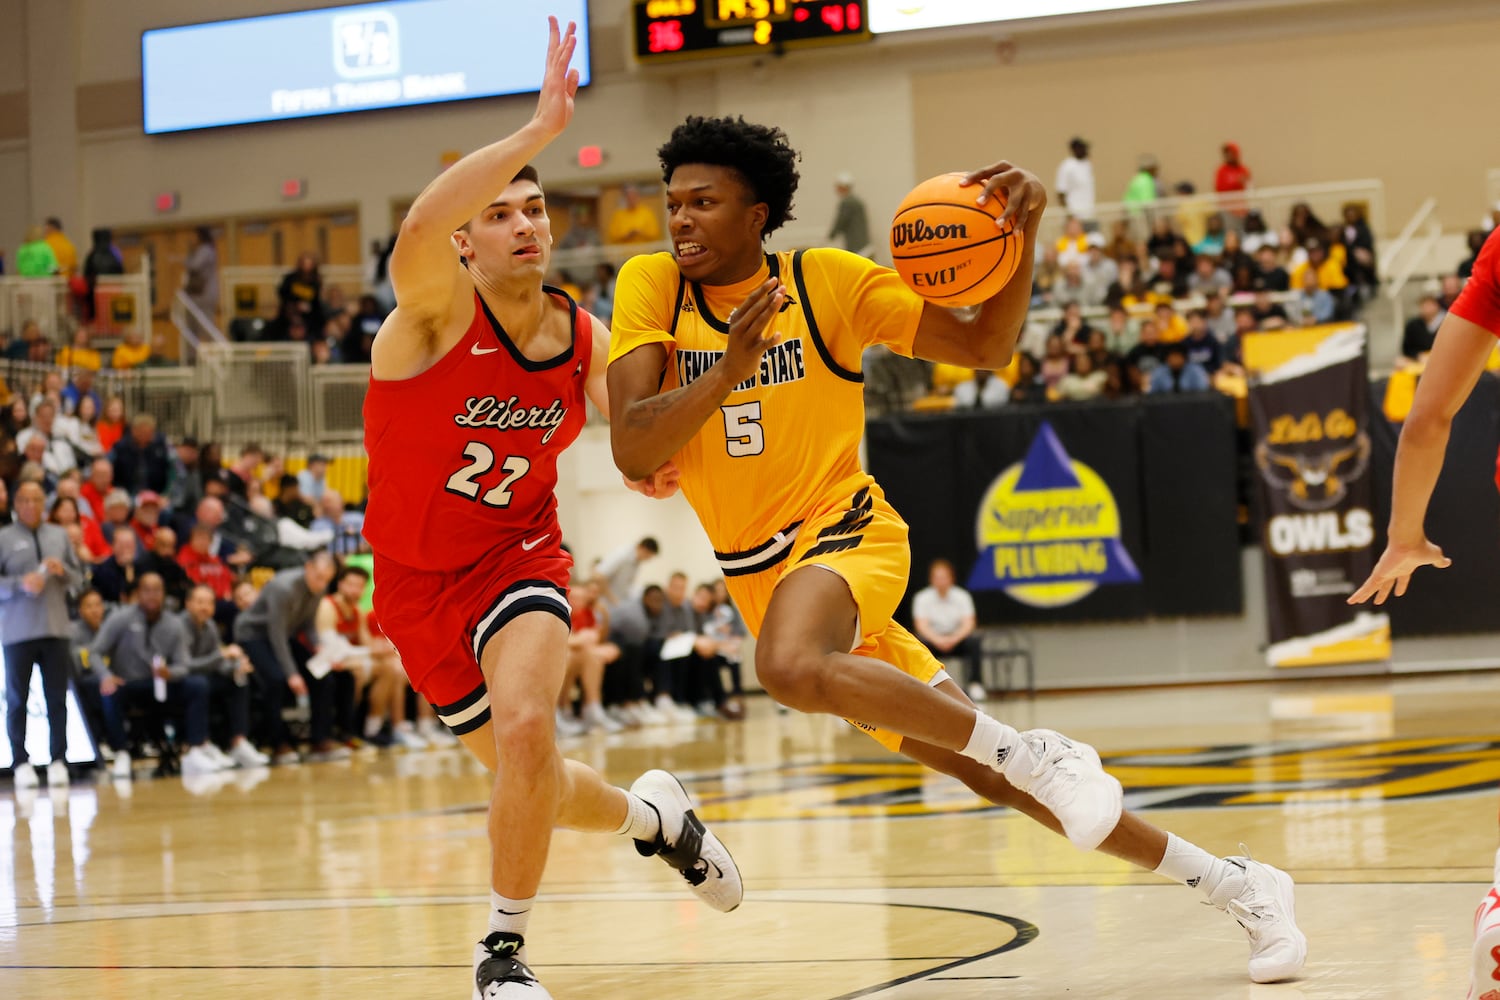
1309 404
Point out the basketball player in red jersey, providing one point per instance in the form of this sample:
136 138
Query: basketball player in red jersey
1459 355
478 380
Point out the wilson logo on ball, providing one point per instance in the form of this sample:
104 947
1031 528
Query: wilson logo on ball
919 231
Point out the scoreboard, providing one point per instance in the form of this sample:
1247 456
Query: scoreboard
689 29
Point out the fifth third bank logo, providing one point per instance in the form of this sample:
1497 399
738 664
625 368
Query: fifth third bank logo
366 44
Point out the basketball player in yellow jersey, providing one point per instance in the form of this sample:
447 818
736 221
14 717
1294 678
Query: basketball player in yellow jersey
744 368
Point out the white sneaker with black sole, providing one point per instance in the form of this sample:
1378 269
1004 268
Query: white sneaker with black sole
685 844
199 761
500 972
1265 906
23 776
1067 778
57 774
244 754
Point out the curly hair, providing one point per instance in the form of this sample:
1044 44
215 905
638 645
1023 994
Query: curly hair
760 154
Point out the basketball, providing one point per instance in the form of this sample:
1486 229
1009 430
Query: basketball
947 249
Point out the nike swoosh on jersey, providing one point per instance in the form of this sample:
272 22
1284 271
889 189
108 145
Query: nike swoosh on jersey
528 546
476 349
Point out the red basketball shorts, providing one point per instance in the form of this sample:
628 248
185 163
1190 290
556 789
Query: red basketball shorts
439 622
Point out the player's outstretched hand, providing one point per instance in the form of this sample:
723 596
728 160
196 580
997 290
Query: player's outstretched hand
750 332
1395 568
1025 197
659 485
554 105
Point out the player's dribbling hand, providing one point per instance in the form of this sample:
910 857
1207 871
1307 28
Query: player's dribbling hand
1395 568
750 329
659 485
1025 197
554 105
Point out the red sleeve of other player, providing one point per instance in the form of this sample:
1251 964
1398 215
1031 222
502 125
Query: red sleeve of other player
1479 302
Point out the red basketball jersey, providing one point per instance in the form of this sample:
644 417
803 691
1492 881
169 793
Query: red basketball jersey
463 458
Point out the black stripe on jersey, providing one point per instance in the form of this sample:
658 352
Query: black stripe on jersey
772 263
812 326
515 352
846 528
833 545
859 505
768 543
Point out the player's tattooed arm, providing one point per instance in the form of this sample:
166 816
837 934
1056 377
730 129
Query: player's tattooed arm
646 428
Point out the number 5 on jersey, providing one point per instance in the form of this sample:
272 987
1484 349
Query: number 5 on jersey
743 434
465 482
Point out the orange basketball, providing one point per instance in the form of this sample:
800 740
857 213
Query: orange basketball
947 249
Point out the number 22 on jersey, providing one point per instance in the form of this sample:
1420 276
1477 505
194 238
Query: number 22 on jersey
465 482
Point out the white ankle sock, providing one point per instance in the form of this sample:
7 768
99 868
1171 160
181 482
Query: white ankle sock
372 725
509 915
641 820
991 742
1195 868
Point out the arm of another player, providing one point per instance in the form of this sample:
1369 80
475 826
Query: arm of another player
663 482
647 427
988 338
1457 360
424 266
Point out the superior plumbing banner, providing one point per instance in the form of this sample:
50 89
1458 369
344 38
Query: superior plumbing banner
1309 402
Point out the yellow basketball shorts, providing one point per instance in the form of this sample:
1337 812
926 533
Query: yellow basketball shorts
863 540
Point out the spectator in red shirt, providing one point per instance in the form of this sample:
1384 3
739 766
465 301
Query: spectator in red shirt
1233 175
147 518
101 480
202 565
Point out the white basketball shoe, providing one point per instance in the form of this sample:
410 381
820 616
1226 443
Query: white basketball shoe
686 844
500 973
1265 905
1067 778
1485 978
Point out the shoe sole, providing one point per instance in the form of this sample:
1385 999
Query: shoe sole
1286 894
1486 961
685 800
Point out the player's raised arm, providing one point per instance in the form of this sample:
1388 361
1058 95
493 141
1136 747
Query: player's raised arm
988 339
424 265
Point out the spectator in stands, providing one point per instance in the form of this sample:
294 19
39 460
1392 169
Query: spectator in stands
1148 352
1056 362
1232 175
1120 331
1170 281
346 526
1097 348
1234 257
1327 267
1073 328
140 649
227 671
1208 278
301 294
1177 374
1085 379
39 573
313 480
1099 269
363 326
672 619
132 352
616 572
80 356
1305 226
634 221
33 467
985 391
1220 318
1028 386
1450 286
1162 243
1170 326
290 503
1117 382
81 386
1359 249
1075 182
101 480
604 280
161 558
1421 329
103 259
211 515
287 605
1256 233
117 511
1270 275
141 459
629 628
57 454
583 231
63 250
81 634
20 349
1073 244
242 472
1143 189
202 565
34 258
944 619
89 544
1476 243
1268 314
201 281
1073 290
850 222
1316 304
590 653
116 578
1192 212
186 478
1212 242
111 426
1203 349
1046 273
1121 247
1244 323
1128 288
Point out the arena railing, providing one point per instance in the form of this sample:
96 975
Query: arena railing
122 302
194 327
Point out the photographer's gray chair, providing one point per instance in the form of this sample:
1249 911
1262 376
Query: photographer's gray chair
1004 649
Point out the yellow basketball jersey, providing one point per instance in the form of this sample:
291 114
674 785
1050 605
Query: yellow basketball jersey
785 443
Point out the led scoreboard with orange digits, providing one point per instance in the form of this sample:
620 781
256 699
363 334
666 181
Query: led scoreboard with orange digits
688 29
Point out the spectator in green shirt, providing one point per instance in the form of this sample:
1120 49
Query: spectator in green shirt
1143 189
34 258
